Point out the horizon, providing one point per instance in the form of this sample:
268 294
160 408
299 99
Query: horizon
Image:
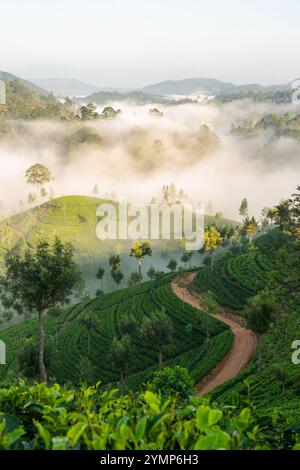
201 41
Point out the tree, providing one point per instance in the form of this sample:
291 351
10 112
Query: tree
99 275
208 303
31 198
38 175
96 190
172 381
43 192
283 215
157 330
243 211
88 112
90 321
128 325
261 311
139 250
251 227
187 257
114 262
212 240
151 273
121 353
110 113
172 265
41 278
117 276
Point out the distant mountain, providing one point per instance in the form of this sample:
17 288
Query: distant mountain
208 86
65 86
190 86
136 96
32 86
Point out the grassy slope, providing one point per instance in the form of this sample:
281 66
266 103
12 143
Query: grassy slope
69 341
73 218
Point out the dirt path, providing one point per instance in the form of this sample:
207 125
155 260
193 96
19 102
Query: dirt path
244 343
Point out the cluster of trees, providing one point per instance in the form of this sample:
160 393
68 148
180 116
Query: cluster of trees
281 125
89 112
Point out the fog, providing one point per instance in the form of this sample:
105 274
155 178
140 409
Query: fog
190 145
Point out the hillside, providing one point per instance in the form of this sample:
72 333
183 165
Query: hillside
27 101
73 218
271 380
9 77
73 347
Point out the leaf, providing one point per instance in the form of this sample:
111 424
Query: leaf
12 422
75 432
202 415
140 428
44 433
153 401
215 440
214 417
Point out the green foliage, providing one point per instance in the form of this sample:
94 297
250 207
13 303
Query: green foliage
260 311
55 418
157 329
172 381
172 265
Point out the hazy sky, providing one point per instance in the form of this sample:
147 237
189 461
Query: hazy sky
234 40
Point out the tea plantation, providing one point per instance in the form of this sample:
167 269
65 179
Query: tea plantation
70 341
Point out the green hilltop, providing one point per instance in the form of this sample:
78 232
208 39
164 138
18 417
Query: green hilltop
73 218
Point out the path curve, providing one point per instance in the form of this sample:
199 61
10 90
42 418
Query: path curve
244 343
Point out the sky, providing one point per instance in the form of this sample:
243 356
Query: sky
136 42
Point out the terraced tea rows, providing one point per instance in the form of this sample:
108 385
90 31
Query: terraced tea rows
234 278
71 342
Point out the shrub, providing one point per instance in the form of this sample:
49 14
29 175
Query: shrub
172 381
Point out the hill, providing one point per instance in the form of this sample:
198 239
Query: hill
27 101
189 86
271 380
74 347
73 218
136 96
9 77
223 90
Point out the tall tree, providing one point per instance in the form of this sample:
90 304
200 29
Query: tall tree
157 330
41 278
38 175
243 211
117 276
212 240
172 265
121 353
99 275
139 250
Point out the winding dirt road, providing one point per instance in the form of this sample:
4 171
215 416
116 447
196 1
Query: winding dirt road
244 343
